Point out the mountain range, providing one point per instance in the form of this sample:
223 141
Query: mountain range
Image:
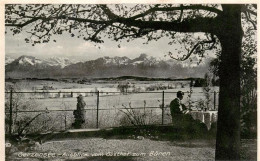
144 65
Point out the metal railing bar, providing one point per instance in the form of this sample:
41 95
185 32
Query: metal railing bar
104 109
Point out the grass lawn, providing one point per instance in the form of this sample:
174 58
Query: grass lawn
143 143
99 149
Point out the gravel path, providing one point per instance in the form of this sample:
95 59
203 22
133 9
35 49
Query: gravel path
127 149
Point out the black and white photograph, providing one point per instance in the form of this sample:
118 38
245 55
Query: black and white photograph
130 81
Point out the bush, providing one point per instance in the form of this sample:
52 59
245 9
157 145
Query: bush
23 122
137 117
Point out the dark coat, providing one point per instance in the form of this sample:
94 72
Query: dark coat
176 107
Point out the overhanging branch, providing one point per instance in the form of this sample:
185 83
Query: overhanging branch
248 18
33 19
199 24
94 37
108 12
195 47
198 7
25 23
245 9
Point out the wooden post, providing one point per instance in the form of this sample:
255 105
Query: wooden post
162 107
65 121
214 100
11 112
144 112
97 106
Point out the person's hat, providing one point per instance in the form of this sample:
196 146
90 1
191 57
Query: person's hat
180 93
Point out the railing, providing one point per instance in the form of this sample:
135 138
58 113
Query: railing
160 102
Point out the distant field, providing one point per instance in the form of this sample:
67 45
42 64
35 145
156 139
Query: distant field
109 103
116 100
27 85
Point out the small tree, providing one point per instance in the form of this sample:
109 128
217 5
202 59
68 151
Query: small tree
133 117
123 87
22 122
207 90
200 104
190 101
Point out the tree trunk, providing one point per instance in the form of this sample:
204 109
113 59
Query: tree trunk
228 125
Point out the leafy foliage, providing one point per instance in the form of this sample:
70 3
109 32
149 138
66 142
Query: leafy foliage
207 90
192 26
116 22
249 85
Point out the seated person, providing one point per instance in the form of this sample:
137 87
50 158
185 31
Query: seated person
179 110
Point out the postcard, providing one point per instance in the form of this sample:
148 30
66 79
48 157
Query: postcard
113 80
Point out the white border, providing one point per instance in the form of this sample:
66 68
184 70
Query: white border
2 44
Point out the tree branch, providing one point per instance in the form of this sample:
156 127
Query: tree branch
20 132
245 9
108 12
94 37
250 20
33 19
180 18
195 47
199 24
199 7
25 23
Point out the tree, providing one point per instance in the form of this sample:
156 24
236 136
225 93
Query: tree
248 82
123 86
207 90
198 27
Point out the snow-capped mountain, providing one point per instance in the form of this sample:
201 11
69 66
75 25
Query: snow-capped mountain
193 62
144 65
8 60
33 61
29 60
59 61
114 60
142 59
145 59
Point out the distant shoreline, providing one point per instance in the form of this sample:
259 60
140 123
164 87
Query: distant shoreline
134 78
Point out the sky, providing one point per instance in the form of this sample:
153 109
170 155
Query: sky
80 49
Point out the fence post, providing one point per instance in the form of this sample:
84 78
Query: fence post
144 106
162 107
97 106
11 112
65 123
214 100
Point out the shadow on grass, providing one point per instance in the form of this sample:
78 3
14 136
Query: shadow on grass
199 143
195 130
161 132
